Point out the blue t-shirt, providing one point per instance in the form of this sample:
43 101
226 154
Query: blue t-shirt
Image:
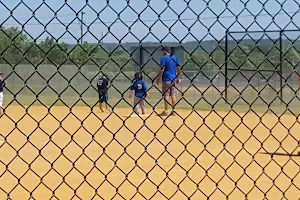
169 64
140 88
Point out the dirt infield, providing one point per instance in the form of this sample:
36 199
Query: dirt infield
93 152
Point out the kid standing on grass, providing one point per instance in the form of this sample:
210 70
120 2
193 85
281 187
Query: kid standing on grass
140 90
102 85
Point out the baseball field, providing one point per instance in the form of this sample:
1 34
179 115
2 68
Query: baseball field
58 153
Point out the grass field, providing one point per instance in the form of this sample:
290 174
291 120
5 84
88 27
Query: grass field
176 158
201 98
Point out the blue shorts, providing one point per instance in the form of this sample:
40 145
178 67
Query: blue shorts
103 97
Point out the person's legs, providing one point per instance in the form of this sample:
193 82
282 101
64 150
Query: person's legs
143 107
173 97
106 103
166 103
136 104
101 100
166 95
1 103
100 107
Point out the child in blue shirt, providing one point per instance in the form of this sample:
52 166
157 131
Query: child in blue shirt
140 90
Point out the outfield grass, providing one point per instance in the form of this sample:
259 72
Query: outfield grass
118 97
183 103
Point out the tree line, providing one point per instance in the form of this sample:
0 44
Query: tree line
16 47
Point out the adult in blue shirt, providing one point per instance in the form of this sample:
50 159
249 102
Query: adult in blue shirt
169 76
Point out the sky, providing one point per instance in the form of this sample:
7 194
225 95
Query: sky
147 20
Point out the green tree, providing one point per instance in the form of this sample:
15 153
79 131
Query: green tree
53 52
273 59
218 56
291 57
12 44
120 59
196 61
238 57
257 58
34 54
82 54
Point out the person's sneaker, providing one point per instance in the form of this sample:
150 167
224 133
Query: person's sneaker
164 113
173 113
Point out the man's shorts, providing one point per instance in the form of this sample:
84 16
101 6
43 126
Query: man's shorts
103 97
1 99
168 89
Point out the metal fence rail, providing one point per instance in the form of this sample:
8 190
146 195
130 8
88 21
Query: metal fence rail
235 131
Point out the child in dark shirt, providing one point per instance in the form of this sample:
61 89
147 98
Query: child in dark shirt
102 85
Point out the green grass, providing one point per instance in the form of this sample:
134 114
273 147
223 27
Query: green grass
220 105
192 98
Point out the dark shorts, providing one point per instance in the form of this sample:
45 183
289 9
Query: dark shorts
168 89
103 97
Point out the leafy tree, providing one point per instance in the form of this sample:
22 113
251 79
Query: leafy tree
55 52
196 61
238 57
34 54
82 54
291 57
16 47
257 58
12 44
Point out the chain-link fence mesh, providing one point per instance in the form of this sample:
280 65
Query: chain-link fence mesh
262 67
234 132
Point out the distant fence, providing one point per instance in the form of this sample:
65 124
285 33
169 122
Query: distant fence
27 82
261 66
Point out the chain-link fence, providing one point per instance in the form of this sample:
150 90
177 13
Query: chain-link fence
262 67
232 133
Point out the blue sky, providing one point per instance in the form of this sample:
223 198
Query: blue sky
207 28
